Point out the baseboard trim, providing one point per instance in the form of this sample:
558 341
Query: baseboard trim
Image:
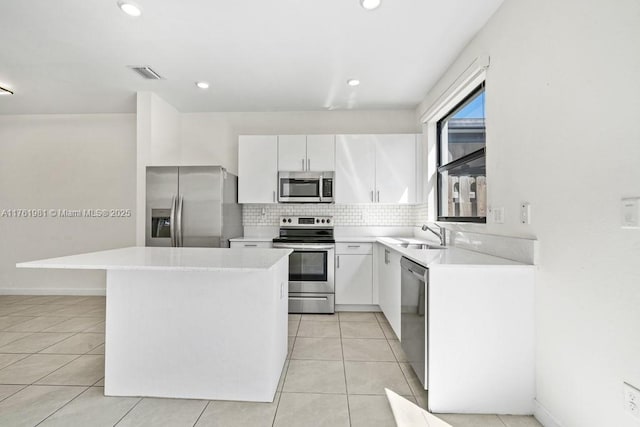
544 417
53 291
357 307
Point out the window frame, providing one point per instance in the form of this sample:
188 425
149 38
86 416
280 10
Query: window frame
440 168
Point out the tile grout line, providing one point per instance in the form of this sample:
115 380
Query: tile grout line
344 370
199 416
286 371
26 355
399 366
23 386
130 409
71 400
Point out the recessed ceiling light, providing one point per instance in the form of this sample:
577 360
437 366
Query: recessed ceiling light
370 4
5 91
129 8
202 85
353 82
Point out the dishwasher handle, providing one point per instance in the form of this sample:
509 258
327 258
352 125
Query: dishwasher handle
414 268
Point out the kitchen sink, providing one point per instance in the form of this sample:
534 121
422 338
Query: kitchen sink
420 246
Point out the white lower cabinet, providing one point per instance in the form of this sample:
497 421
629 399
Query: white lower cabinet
354 273
251 244
388 264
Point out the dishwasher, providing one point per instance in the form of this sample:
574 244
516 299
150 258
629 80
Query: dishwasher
413 315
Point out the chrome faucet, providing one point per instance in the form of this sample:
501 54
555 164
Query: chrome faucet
441 233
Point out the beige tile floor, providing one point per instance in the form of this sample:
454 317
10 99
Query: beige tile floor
52 369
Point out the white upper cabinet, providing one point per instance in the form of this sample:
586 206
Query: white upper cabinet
396 168
376 168
321 153
355 169
292 153
300 153
257 169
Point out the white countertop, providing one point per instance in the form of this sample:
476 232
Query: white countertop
253 239
449 257
356 239
169 259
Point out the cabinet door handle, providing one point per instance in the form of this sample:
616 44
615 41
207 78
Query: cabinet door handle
353 246
386 256
250 246
302 164
378 196
372 199
308 164
274 197
338 261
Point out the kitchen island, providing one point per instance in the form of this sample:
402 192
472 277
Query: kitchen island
198 323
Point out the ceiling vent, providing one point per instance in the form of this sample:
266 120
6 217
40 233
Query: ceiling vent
147 73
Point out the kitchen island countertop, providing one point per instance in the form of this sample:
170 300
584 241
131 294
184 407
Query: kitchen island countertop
175 259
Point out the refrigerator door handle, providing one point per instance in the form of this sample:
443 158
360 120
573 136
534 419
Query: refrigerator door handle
172 221
179 221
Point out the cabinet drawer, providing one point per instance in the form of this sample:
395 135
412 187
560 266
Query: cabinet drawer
247 244
354 248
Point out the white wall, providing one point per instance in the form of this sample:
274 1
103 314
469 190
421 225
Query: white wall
563 108
168 137
157 144
208 138
58 162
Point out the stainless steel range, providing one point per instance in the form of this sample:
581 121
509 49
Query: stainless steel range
311 265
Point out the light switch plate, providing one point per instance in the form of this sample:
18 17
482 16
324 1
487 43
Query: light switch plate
630 212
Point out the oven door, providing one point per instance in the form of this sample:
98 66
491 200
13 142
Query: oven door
311 267
296 187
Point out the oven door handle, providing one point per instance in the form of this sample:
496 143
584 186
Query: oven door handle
308 298
303 246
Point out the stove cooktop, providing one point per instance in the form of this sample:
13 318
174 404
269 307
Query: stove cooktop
309 229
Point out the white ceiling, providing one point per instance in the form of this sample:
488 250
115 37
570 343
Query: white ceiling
71 56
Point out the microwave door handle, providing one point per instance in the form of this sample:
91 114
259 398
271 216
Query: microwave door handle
172 221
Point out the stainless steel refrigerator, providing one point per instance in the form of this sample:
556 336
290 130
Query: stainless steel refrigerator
192 206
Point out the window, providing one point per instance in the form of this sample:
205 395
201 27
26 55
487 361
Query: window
462 182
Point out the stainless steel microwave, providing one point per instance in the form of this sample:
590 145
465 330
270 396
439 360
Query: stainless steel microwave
305 187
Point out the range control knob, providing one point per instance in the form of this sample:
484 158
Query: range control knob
317 220
284 219
323 221
289 220
328 221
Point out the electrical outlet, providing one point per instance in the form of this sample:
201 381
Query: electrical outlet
525 213
631 212
632 400
497 214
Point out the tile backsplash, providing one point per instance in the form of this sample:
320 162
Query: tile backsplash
343 215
